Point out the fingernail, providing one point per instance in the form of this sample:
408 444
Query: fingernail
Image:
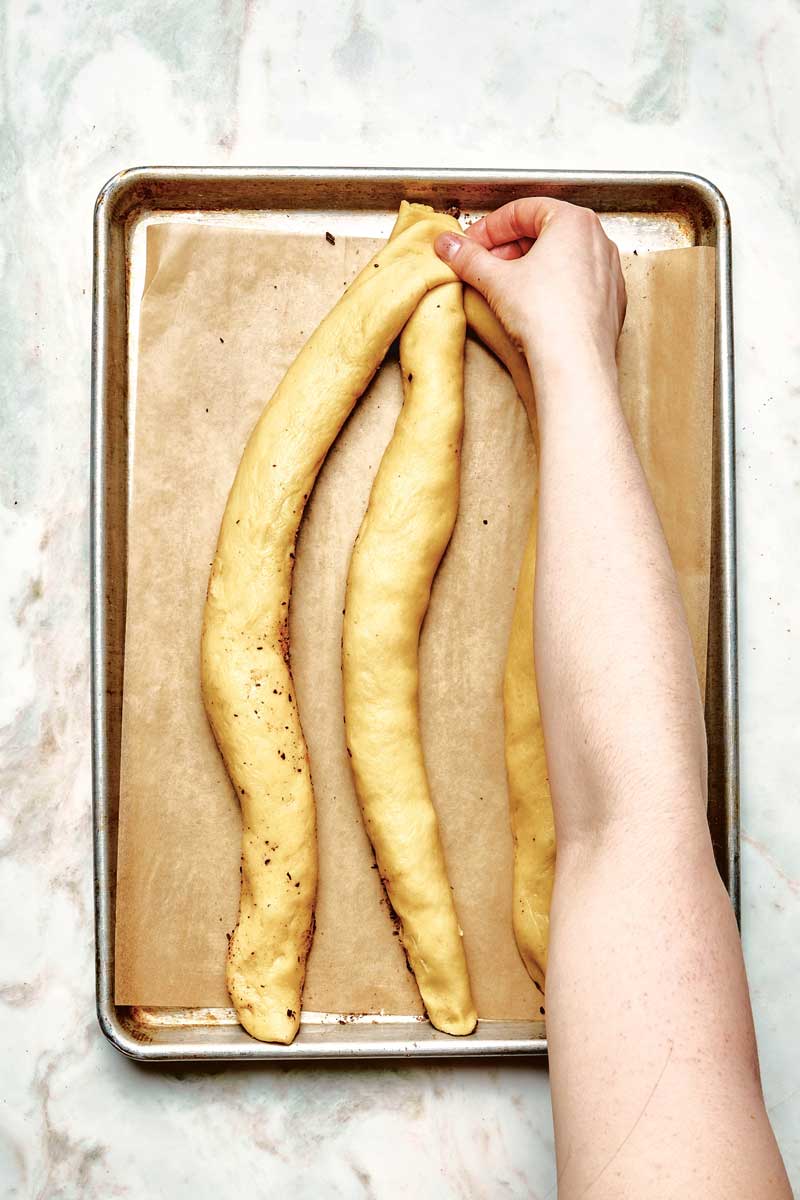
447 246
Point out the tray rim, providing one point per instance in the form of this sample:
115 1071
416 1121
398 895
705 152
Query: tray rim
506 1038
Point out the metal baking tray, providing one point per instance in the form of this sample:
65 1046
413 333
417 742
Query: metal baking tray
642 211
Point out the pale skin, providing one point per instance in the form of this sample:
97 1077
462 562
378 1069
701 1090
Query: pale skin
653 1062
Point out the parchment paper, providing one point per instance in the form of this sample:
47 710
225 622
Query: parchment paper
224 313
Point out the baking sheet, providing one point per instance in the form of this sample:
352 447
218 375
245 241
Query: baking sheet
224 313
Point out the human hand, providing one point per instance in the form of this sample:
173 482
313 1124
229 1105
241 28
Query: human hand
551 275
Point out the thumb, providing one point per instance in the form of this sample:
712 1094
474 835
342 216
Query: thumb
470 261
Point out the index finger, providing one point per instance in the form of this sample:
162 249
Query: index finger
523 218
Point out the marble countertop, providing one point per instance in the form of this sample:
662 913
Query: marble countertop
89 89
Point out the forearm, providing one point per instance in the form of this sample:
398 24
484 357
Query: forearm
653 1061
619 693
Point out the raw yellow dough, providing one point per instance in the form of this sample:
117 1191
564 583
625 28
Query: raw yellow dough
408 523
526 767
246 680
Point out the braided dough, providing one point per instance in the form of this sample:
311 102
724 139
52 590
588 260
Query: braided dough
246 680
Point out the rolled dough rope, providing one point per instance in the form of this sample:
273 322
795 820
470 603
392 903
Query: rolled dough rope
246 679
408 523
530 806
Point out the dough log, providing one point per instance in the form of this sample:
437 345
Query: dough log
408 523
246 679
531 809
